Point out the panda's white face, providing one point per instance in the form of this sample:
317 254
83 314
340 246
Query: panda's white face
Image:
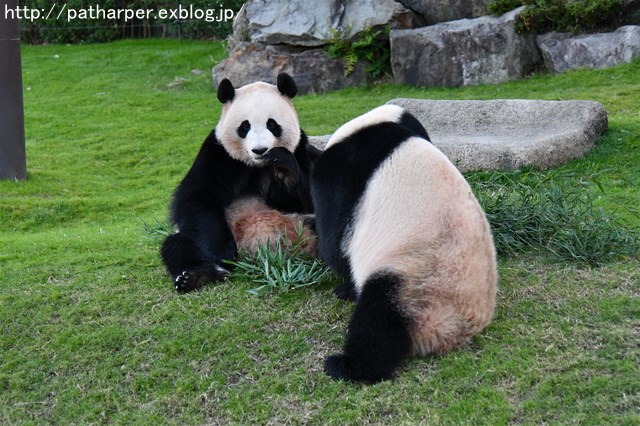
258 119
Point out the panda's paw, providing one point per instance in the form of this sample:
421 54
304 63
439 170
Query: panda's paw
185 282
337 366
283 160
191 280
349 369
345 291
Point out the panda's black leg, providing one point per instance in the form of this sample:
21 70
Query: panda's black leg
346 291
179 253
193 279
187 265
378 338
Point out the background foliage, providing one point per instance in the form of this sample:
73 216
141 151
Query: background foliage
371 46
574 16
54 30
539 16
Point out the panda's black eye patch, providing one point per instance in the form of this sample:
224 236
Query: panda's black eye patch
274 127
244 128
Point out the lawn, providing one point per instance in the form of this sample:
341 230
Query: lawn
92 331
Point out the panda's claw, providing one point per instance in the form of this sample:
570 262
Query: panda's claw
184 282
191 280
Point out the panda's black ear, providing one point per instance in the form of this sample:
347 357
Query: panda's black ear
226 92
286 85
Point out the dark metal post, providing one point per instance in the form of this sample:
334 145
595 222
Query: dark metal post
13 161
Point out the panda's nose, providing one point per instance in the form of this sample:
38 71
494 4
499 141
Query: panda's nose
259 151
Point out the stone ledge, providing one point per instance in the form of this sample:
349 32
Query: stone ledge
507 134
563 51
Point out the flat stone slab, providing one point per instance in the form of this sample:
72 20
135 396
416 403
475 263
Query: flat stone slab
507 134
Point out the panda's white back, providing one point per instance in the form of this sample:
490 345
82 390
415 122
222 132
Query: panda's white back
419 218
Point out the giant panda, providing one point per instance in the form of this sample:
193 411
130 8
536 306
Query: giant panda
400 224
258 150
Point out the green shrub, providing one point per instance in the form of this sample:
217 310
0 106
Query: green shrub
200 29
554 215
371 46
281 269
574 16
58 29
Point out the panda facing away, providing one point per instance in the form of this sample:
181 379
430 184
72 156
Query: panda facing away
400 224
256 151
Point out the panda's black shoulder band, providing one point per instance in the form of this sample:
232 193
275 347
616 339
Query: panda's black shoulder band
226 92
286 85
412 123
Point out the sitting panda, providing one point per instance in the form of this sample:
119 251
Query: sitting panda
257 149
400 224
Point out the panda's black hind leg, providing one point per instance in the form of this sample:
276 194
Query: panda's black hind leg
186 264
194 279
346 291
378 337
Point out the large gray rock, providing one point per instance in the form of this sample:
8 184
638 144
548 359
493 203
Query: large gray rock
297 22
563 51
436 11
463 52
312 69
507 134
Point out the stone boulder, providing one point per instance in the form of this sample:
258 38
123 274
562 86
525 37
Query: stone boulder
313 70
299 23
507 134
563 51
463 52
436 11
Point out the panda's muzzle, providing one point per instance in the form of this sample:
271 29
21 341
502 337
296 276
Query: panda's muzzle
259 151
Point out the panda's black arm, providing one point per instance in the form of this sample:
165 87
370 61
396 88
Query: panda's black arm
201 199
194 256
306 155
289 187
207 228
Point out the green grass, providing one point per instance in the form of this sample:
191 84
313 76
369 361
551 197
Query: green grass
281 268
92 332
554 214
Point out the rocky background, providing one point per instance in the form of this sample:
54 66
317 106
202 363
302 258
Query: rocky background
431 43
